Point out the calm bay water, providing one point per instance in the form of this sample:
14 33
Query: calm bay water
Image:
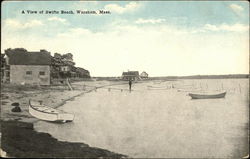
160 123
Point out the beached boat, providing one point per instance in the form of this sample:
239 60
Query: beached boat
159 87
43 112
207 95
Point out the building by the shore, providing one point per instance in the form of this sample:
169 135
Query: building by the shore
131 75
20 66
82 73
144 75
63 67
23 67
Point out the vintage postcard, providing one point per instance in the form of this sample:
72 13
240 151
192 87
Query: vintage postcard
124 79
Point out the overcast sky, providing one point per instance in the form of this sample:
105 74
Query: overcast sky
161 38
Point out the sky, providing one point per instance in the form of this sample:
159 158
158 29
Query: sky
163 38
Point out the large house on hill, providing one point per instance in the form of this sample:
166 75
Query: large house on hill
23 67
131 75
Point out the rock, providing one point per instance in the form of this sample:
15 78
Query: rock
16 109
15 104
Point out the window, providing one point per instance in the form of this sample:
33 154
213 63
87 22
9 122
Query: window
41 73
28 72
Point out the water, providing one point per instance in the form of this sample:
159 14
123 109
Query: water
160 123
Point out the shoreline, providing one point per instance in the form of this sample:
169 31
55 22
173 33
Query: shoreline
17 129
17 123
19 139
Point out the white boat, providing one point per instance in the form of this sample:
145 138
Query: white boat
43 112
159 87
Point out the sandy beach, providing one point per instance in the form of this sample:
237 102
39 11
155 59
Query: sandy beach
19 139
158 123
111 122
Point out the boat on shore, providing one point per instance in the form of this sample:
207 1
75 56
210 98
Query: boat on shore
206 95
158 87
40 111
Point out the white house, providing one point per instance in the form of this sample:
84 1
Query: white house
144 75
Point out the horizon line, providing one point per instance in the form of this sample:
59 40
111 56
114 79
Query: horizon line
240 74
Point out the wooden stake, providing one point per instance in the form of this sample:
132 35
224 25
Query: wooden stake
240 88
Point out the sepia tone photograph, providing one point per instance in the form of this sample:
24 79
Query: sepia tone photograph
124 79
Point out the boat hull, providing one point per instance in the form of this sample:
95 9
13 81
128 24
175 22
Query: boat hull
207 96
53 115
158 87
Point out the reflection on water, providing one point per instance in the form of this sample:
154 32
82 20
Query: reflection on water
160 123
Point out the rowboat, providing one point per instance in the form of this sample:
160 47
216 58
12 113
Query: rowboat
159 87
207 95
43 112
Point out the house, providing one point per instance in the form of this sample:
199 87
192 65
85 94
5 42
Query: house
62 67
130 75
144 75
28 67
82 73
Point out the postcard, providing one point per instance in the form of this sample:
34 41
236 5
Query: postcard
125 79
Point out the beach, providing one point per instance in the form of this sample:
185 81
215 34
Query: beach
18 137
156 119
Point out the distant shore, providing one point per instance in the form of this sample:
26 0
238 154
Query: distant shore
203 77
18 137
229 76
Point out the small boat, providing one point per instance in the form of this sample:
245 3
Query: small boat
207 95
43 112
159 87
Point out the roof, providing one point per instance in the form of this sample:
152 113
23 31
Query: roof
81 69
144 73
131 73
29 58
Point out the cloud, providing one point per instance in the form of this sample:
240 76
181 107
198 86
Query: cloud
236 8
57 19
33 23
152 21
211 27
12 23
75 32
225 27
132 6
